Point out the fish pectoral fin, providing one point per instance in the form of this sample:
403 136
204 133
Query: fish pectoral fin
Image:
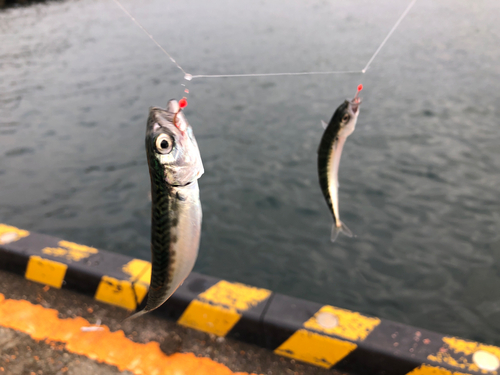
342 228
324 124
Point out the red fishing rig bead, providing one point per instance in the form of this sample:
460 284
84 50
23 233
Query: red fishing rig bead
182 104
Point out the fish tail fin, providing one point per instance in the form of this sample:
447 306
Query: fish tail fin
136 315
342 228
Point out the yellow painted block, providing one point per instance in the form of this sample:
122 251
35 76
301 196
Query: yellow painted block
431 370
209 318
46 271
351 325
314 348
120 293
234 296
460 351
140 292
138 270
9 234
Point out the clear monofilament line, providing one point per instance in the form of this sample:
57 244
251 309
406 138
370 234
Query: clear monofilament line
150 36
389 35
190 77
274 74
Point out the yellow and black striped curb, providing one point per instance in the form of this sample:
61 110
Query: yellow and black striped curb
322 335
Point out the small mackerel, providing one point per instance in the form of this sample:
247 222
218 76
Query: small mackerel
330 148
174 167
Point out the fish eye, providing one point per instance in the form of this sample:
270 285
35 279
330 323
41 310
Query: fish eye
345 118
163 144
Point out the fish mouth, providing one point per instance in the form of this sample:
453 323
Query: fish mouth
354 104
173 106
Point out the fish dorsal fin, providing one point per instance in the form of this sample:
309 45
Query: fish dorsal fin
324 124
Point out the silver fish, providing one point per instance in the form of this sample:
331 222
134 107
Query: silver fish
174 167
330 148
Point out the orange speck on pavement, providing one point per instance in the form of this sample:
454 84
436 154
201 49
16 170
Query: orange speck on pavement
112 348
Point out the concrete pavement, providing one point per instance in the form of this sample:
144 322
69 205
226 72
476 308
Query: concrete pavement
20 353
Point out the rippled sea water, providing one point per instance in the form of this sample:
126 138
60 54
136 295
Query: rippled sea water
419 178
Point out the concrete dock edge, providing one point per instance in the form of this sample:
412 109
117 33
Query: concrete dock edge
323 335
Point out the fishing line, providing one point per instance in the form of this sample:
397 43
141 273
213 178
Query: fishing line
273 74
151 37
189 77
389 35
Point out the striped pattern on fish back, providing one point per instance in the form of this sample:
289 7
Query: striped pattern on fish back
324 152
161 222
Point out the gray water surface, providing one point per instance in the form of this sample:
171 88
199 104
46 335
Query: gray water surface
419 178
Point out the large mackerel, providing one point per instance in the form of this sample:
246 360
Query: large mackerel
330 148
174 167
